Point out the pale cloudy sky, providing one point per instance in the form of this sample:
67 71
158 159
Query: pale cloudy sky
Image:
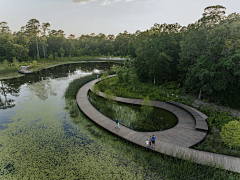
106 16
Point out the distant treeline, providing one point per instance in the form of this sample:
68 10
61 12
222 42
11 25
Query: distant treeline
204 56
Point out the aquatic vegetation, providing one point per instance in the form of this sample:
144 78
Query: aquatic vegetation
11 75
132 116
44 142
47 144
153 165
169 92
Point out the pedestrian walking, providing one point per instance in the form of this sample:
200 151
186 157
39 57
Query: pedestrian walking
153 140
150 141
147 143
117 123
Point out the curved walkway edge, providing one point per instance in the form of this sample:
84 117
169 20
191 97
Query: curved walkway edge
177 145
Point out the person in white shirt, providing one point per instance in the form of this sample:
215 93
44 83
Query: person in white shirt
147 143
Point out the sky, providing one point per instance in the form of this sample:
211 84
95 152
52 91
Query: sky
106 16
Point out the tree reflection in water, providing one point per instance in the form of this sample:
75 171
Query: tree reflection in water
42 89
6 102
39 82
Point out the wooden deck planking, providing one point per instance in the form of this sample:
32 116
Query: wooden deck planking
199 117
173 142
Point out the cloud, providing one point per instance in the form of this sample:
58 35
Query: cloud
107 2
83 1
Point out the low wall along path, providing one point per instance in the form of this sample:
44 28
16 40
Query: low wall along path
191 129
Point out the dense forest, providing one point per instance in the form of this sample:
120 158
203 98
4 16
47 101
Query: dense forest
203 57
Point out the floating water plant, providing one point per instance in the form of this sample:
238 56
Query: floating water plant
44 142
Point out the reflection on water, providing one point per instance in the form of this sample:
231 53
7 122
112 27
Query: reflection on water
42 89
43 142
14 91
6 102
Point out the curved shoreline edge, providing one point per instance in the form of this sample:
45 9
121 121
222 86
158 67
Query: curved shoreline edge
174 142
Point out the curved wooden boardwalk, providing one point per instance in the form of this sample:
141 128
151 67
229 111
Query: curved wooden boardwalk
174 142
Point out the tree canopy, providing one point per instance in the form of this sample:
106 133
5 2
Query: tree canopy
203 56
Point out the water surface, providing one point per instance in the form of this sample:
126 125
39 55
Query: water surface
38 139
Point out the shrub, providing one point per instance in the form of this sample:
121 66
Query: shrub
230 134
50 56
34 62
6 64
146 107
15 62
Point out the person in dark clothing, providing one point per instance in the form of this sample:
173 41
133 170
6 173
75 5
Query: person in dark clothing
150 141
117 123
153 140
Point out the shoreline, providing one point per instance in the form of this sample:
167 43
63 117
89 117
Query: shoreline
50 64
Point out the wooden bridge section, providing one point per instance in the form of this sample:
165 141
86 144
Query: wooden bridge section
174 142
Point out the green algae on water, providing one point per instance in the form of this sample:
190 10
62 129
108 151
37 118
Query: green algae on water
46 145
44 142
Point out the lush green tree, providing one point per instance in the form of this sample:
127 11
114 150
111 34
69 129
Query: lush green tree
35 63
19 51
70 47
97 52
6 64
211 63
10 47
44 38
95 89
50 56
230 134
15 62
104 77
33 29
55 55
80 52
4 28
204 56
133 80
157 53
119 72
146 107
55 41
62 52
111 98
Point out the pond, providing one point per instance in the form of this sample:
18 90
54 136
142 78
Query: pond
39 139
131 115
